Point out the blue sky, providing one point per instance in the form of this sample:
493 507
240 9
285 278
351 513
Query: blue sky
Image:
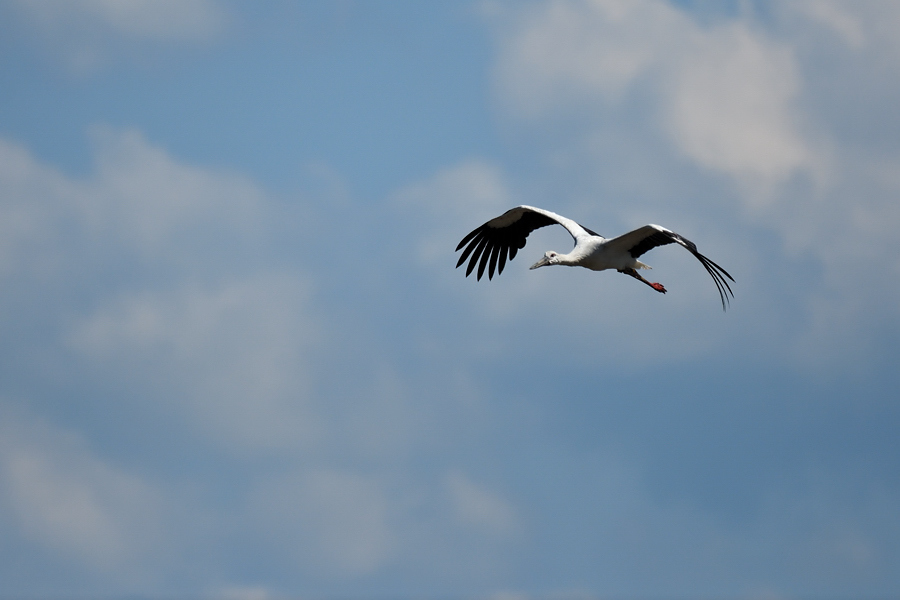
236 360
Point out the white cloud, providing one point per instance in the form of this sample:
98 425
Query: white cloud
232 356
86 35
330 520
838 17
476 506
505 595
726 93
867 28
729 106
850 231
443 205
163 20
238 354
138 199
28 207
556 51
60 495
152 201
242 592
230 350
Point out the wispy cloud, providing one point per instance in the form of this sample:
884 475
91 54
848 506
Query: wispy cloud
230 359
725 92
476 506
151 19
89 34
138 200
329 519
63 497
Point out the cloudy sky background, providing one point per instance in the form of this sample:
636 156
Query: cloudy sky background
236 360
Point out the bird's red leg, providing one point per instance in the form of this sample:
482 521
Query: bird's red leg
656 286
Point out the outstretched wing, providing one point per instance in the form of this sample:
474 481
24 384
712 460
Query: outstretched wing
648 237
503 236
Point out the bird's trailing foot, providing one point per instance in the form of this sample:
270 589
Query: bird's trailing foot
656 286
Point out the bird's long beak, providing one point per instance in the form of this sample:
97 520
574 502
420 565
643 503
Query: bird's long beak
541 263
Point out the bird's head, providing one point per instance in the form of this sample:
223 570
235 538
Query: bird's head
550 258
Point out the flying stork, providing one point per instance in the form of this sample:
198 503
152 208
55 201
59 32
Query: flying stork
506 235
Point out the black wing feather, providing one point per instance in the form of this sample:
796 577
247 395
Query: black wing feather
502 263
465 254
484 259
487 245
478 248
493 264
661 238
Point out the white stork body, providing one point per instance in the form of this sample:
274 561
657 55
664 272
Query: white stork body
490 244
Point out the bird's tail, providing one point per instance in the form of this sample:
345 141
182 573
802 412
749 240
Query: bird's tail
640 265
